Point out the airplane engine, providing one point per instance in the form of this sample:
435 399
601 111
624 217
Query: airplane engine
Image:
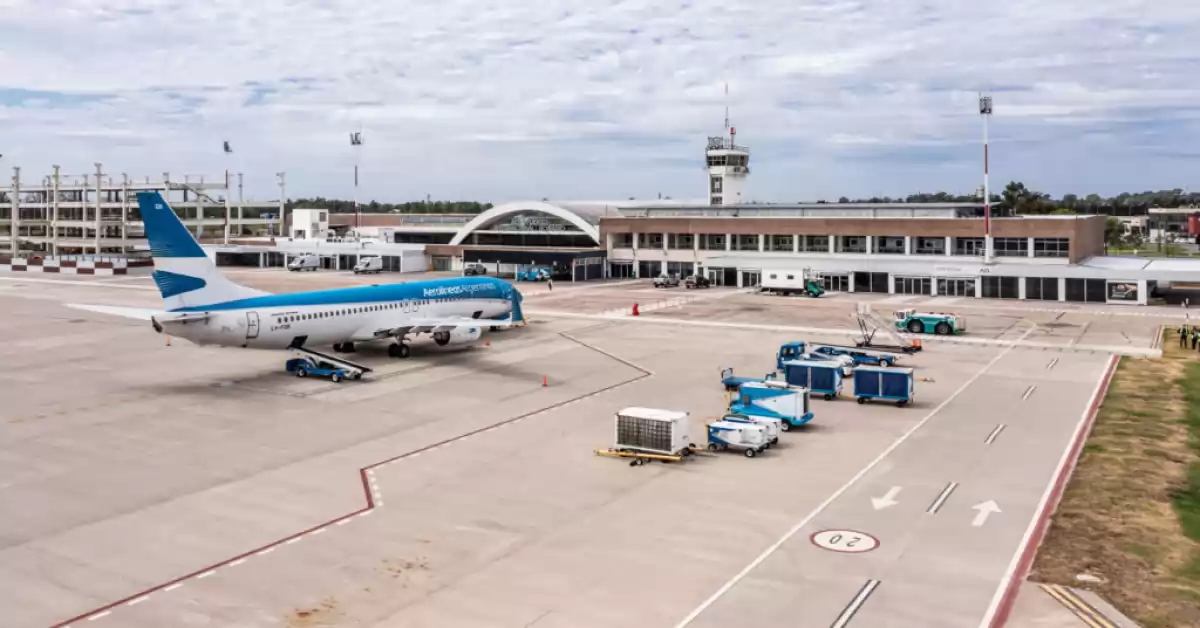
458 335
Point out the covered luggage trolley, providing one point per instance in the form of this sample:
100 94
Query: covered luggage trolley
644 434
890 384
820 377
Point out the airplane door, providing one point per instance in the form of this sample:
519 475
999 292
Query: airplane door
251 324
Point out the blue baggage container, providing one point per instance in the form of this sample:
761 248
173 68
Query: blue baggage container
890 384
820 377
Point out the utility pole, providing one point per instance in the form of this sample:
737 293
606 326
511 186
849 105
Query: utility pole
985 110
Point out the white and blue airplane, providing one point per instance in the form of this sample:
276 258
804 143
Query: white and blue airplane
205 307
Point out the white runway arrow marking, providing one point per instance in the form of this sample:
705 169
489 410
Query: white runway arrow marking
887 500
985 510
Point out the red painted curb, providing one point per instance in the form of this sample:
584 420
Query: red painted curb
363 471
1043 517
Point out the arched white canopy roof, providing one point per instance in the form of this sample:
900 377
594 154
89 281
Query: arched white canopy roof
499 212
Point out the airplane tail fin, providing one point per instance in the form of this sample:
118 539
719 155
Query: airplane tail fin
185 276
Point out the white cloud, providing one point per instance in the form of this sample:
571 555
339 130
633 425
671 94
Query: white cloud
573 98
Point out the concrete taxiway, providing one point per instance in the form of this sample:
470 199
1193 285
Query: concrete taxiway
155 485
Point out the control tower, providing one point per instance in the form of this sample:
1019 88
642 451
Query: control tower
728 167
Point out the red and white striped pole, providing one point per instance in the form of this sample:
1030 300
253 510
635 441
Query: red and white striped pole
985 110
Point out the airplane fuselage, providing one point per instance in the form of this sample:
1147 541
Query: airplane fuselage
343 315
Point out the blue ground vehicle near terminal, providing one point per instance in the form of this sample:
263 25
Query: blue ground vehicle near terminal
889 384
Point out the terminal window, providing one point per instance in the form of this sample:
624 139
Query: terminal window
712 242
1051 247
889 244
781 243
931 246
853 244
968 246
680 241
815 244
1041 288
1011 247
623 240
746 243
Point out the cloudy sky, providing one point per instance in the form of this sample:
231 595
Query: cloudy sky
588 99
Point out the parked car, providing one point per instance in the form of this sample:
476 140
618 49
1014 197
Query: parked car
697 281
666 281
474 268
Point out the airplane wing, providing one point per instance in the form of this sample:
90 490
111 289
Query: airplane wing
430 325
143 314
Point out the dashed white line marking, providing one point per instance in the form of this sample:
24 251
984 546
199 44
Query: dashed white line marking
1028 391
264 552
1051 364
343 522
237 562
206 574
137 600
364 513
290 541
173 587
99 615
317 531
996 432
941 498
855 604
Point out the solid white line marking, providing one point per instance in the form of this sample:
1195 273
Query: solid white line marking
137 600
1062 462
838 493
1028 392
855 604
173 587
941 498
206 574
992 437
265 552
237 562
99 615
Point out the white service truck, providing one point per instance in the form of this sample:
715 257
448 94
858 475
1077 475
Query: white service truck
305 261
369 264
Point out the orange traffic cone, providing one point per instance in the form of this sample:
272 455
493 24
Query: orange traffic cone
168 340
635 309
545 381
487 342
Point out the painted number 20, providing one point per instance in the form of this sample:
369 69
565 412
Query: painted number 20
845 541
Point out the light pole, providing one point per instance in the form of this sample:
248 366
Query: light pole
356 141
228 151
985 110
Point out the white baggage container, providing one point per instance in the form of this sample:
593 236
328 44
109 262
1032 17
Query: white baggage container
773 425
750 438
652 430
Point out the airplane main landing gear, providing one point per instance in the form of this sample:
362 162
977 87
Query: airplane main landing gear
345 347
398 350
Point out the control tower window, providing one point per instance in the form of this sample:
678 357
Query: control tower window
716 185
